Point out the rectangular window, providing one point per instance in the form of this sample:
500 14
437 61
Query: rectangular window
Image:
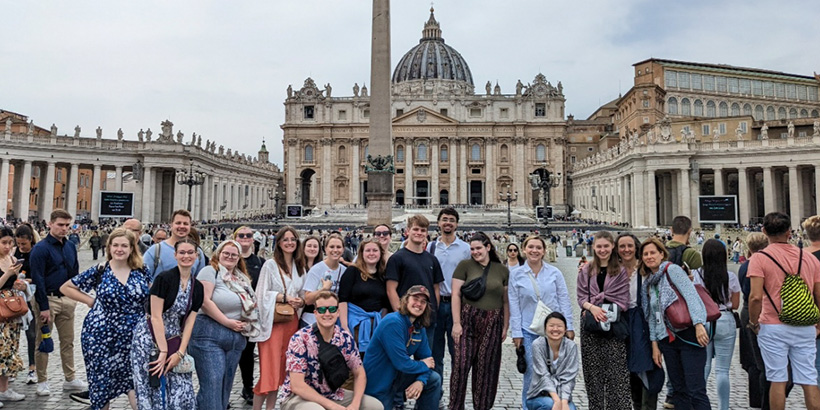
572 159
444 170
768 89
801 93
443 111
743 127
721 84
791 91
399 170
505 113
645 103
572 149
696 81
366 114
708 83
399 112
784 135
734 88
308 111
540 109
683 80
686 129
757 87
475 171
342 115
722 127
475 112
671 78
802 134
812 93
646 120
780 90
745 86
705 130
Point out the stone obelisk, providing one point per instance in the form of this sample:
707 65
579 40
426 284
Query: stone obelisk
380 157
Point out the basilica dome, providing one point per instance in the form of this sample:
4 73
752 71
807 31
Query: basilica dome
432 59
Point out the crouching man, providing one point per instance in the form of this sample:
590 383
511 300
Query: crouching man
317 368
398 356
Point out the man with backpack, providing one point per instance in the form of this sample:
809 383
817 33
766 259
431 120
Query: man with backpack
784 311
160 257
679 251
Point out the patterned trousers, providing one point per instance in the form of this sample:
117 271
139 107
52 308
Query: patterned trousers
479 348
605 373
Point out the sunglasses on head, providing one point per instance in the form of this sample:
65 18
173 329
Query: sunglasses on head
324 309
244 235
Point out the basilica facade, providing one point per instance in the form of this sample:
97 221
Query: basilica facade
453 144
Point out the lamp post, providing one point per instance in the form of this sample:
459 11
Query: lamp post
544 180
273 195
190 178
509 199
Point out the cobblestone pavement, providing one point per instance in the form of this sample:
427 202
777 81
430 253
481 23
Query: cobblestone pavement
509 389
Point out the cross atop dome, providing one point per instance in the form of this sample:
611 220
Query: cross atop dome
431 28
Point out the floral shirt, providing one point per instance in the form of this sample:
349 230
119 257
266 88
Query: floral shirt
303 357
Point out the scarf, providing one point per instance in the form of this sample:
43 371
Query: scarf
665 292
240 285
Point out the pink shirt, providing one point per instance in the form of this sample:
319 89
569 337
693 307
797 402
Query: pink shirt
761 266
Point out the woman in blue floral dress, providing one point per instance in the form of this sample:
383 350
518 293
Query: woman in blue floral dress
175 299
121 289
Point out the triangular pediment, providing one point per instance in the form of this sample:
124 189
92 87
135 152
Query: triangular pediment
422 116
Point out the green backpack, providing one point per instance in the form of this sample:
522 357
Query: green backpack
797 307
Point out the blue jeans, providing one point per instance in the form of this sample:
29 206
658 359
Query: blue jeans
543 403
216 351
721 348
444 326
684 366
528 339
430 394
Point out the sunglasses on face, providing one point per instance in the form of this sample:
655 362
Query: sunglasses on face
381 233
512 250
244 235
324 309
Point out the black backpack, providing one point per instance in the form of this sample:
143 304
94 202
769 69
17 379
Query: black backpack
331 362
676 257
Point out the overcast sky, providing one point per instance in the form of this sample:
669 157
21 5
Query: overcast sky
221 68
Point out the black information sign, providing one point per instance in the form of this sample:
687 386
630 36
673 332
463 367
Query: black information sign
717 209
294 211
116 204
542 212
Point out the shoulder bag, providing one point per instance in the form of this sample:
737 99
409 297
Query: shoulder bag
12 306
541 310
331 361
283 311
616 325
678 312
474 289
186 364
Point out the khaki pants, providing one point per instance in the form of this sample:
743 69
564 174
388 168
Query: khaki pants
62 321
297 403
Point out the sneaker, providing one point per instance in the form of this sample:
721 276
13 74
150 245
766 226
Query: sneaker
32 377
43 389
1 404
81 397
668 405
75 385
247 395
11 395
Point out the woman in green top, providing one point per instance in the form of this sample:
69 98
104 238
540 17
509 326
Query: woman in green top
479 326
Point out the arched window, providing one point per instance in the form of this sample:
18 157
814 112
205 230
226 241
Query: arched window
793 113
804 113
444 197
781 113
685 107
735 110
758 112
710 109
505 152
475 152
443 153
400 197
399 153
747 109
422 152
723 109
308 153
815 114
770 115
672 106
342 154
540 153
698 108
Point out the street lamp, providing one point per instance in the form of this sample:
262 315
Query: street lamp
509 199
544 180
273 195
190 178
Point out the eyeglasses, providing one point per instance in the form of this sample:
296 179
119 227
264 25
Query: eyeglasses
381 233
284 240
324 309
244 235
186 252
230 255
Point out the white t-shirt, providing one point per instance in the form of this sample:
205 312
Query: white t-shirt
734 287
313 282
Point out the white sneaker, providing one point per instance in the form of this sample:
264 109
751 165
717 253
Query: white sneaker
32 377
75 385
43 389
1 404
11 395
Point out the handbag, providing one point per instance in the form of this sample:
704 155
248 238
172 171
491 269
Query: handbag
185 365
174 342
12 307
616 326
474 289
678 312
541 311
283 311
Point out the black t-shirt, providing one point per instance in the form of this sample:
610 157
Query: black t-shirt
254 265
410 269
370 295
816 254
24 269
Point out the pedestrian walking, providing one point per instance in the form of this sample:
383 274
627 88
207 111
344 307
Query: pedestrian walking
95 243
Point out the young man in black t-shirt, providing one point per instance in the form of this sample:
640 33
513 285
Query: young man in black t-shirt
412 265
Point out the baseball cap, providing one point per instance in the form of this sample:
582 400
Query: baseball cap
419 290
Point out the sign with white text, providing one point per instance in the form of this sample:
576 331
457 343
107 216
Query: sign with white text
717 209
116 204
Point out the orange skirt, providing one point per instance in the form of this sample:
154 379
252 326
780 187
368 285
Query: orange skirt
272 357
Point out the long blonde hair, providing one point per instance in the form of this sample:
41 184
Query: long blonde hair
134 258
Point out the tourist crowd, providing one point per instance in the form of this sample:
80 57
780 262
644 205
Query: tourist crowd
340 322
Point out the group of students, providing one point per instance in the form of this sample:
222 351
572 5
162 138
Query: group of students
321 325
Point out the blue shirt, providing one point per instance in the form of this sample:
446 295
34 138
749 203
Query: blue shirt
52 263
449 257
168 260
523 301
